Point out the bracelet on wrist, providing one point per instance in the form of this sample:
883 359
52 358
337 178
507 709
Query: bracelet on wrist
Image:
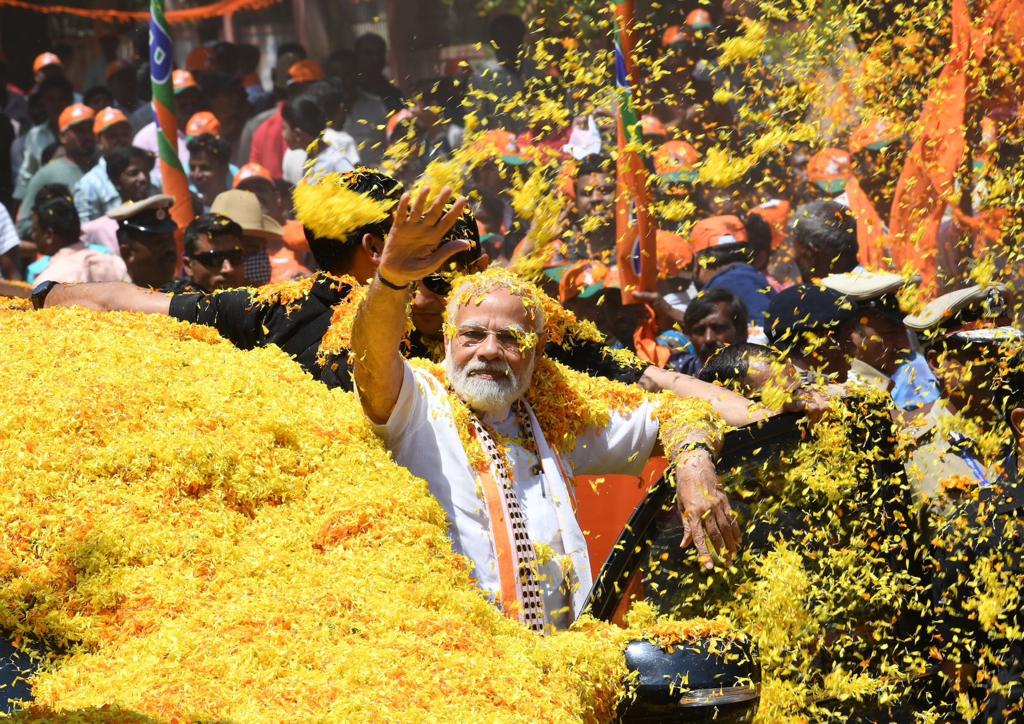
691 446
391 285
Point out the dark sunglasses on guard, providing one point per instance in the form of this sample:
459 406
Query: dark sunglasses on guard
216 259
441 283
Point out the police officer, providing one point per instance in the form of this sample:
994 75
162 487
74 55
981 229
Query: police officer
145 234
963 333
883 356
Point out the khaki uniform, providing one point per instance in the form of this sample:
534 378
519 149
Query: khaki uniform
935 459
861 373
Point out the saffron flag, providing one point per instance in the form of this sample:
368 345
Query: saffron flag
161 67
927 184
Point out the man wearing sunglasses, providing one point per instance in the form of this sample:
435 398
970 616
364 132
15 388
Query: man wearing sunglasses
213 255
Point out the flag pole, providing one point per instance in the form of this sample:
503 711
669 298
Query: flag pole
636 243
161 68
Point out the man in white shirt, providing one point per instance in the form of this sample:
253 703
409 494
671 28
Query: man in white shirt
503 480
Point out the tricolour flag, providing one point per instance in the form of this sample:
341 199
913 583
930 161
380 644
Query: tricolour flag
161 67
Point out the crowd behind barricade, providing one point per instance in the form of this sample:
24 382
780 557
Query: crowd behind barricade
774 287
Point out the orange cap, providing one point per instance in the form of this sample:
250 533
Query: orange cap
203 122
652 126
106 118
699 19
305 71
183 80
829 169
874 134
252 170
674 34
582 279
675 162
501 145
75 113
44 60
674 254
776 212
199 58
716 231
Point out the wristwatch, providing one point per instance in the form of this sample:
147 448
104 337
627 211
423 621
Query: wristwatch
40 292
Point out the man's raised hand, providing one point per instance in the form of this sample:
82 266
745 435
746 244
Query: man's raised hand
413 247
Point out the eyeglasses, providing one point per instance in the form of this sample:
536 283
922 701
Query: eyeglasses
510 339
216 259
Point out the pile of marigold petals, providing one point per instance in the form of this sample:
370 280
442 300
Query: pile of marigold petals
195 532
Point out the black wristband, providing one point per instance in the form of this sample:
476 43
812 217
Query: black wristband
391 285
39 293
691 446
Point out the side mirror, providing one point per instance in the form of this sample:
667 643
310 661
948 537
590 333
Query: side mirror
711 679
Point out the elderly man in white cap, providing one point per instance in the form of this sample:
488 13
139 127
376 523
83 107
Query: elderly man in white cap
498 432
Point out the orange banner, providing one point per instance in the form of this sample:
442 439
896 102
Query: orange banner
186 15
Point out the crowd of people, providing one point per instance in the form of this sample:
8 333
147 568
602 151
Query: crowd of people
773 292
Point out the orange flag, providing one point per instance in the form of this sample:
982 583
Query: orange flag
927 184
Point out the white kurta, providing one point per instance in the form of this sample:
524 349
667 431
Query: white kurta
422 436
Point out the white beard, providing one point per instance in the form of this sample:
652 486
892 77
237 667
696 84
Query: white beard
492 398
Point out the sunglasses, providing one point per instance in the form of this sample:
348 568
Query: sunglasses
441 284
216 259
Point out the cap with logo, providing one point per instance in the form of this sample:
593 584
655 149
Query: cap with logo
829 170
305 71
243 207
874 135
651 125
675 162
45 60
74 114
106 118
149 216
973 314
202 122
182 80
251 170
699 19
717 231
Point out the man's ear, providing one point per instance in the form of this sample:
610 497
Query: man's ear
1017 421
373 245
932 355
480 264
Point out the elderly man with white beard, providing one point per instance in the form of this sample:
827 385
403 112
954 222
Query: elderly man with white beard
479 433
